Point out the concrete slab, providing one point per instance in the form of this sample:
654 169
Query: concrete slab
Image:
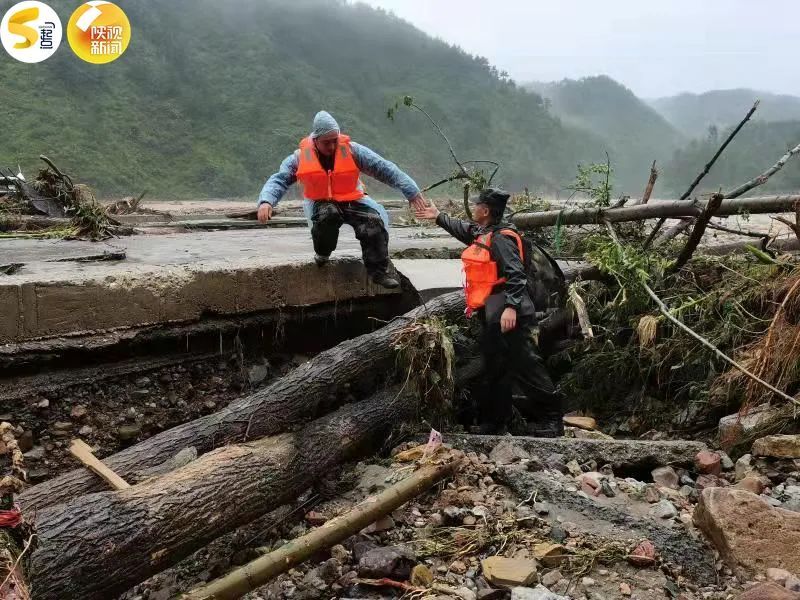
178 278
431 277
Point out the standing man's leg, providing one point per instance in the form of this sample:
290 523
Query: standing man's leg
494 393
326 219
371 232
543 403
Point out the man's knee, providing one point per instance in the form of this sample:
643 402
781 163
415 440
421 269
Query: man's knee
325 213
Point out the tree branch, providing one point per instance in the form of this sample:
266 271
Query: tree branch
762 179
705 170
648 191
697 233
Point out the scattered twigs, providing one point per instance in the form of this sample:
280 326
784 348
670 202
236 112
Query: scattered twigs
255 574
705 170
678 323
648 191
697 234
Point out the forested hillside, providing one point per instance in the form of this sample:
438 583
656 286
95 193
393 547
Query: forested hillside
211 96
756 148
695 113
634 133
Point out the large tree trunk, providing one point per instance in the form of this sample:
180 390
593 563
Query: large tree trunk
329 380
652 210
99 545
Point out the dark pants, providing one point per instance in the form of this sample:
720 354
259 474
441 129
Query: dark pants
328 217
512 361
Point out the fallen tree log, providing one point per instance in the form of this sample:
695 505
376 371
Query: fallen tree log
260 571
99 545
317 387
653 210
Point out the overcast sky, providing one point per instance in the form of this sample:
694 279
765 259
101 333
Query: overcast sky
654 47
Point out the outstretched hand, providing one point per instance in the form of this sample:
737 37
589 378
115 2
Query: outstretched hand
426 212
264 213
418 202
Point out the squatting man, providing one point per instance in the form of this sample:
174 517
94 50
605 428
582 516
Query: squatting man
329 165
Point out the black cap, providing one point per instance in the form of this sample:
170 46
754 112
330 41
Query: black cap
492 197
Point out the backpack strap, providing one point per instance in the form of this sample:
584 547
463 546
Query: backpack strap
513 234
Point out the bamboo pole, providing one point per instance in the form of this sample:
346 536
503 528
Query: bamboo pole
260 571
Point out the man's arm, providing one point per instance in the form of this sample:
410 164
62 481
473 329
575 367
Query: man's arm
506 253
276 186
463 231
373 164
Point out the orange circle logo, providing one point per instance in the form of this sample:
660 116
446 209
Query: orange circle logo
99 32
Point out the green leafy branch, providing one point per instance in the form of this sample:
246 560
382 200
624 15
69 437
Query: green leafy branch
474 177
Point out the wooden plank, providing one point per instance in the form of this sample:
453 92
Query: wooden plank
80 450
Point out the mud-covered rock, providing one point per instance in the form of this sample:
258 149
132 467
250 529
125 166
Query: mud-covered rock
744 529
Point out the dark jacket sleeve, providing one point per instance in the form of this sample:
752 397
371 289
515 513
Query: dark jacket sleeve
463 231
505 253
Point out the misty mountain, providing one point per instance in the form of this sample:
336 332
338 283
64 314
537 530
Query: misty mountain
633 132
693 114
211 96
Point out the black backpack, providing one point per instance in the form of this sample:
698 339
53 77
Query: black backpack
546 283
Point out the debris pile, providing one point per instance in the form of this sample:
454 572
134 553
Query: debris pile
510 524
53 206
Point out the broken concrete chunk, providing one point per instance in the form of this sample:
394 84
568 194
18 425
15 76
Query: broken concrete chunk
550 555
743 528
666 477
508 572
538 593
506 453
580 422
778 446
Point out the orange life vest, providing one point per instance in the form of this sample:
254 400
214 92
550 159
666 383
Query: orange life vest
480 271
341 184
